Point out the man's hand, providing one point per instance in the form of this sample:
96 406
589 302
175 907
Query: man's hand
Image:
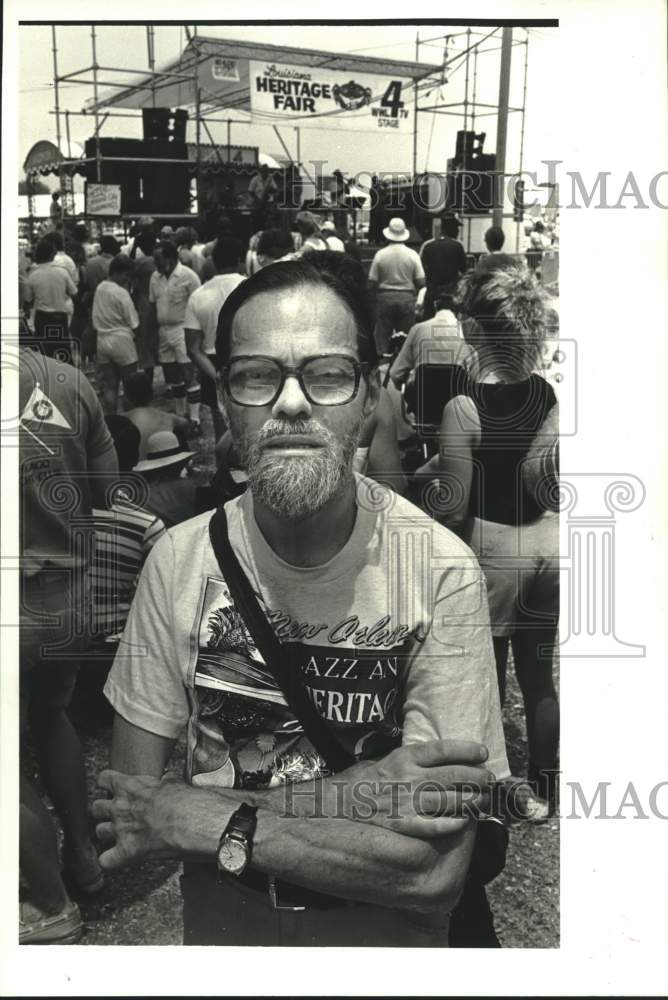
135 822
423 790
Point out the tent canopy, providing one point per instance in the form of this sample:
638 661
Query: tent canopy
44 157
220 69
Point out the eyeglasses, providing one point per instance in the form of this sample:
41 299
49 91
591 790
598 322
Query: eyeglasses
325 379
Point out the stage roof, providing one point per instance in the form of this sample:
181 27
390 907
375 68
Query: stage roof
222 68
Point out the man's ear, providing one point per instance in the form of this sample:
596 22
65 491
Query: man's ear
372 392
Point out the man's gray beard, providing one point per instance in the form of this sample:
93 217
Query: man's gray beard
297 486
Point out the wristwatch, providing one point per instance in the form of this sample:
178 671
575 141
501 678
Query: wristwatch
236 843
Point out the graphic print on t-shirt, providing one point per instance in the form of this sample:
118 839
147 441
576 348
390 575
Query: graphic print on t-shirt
242 733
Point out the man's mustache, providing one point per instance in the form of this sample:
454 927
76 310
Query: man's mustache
283 428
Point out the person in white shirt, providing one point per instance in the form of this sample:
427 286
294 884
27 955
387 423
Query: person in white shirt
201 321
396 275
436 341
328 230
308 228
116 322
274 245
49 290
62 259
171 285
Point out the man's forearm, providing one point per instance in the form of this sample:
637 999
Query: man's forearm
203 363
337 856
390 831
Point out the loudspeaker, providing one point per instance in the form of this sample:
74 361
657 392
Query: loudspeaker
163 123
467 147
472 191
146 188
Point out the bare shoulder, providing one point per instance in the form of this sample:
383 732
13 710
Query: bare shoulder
462 411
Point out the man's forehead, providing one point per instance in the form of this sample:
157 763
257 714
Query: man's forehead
311 318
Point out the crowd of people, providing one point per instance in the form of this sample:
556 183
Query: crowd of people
386 448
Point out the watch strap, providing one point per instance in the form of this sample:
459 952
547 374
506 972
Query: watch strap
243 822
241 826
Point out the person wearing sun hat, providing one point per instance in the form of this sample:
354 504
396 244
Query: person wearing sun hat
396 275
171 497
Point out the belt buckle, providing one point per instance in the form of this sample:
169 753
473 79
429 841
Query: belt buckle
273 897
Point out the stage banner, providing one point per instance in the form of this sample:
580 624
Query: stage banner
103 199
306 95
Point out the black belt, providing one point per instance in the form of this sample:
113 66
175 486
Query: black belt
287 896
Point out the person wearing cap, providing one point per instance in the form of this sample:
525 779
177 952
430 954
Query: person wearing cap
444 262
334 242
170 497
170 287
396 276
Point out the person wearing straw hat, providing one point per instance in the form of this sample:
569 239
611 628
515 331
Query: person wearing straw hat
171 497
396 275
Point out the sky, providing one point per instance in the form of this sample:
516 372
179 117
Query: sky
352 152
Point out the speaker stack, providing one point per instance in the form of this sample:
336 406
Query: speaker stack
470 176
148 188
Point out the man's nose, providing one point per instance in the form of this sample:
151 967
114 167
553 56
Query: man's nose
292 402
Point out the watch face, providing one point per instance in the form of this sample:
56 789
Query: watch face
232 856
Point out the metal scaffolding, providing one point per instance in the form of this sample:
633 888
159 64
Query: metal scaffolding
153 84
477 43
207 112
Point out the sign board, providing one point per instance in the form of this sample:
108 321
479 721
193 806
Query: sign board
224 69
103 199
246 156
305 94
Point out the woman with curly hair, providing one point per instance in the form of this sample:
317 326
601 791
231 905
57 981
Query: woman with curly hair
492 441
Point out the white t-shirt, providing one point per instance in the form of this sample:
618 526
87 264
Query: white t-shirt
171 296
396 268
391 638
113 309
204 307
436 341
64 260
334 243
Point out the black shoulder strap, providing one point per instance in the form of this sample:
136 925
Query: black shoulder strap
273 652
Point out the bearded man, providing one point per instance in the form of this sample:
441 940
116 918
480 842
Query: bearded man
382 616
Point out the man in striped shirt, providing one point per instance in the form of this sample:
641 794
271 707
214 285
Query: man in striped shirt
124 535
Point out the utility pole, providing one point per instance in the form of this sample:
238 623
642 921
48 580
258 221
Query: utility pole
502 125
415 107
